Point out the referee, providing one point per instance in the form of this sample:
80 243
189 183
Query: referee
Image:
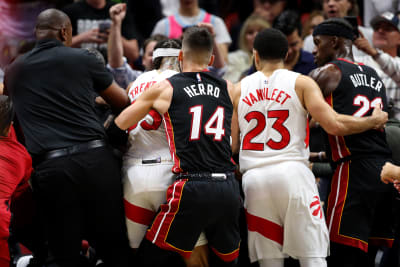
76 178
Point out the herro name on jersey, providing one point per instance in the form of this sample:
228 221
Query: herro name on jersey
202 89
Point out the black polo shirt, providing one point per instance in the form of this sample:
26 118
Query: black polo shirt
52 88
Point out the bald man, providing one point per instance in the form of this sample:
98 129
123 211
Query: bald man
77 177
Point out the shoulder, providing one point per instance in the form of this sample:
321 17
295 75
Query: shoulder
306 56
327 77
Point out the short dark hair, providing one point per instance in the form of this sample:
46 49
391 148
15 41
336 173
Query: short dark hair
6 114
287 22
169 43
197 39
271 44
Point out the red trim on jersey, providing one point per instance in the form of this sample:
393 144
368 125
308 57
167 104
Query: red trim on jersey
169 131
336 201
138 214
379 241
158 232
349 61
307 139
268 229
337 143
227 257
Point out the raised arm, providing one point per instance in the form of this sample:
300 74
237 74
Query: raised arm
157 97
115 48
332 122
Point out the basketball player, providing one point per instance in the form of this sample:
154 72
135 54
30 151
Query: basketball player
283 210
205 196
147 162
359 210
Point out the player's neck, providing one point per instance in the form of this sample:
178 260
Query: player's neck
194 67
267 68
189 12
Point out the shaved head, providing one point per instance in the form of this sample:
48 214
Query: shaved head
53 23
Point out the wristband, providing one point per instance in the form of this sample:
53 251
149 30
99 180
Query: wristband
320 155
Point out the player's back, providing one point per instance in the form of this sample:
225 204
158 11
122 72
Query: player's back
272 120
357 93
147 139
199 123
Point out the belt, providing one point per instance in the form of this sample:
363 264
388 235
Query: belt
137 161
202 176
71 150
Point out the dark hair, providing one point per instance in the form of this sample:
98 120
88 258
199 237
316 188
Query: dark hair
155 37
287 22
6 114
169 43
271 44
197 39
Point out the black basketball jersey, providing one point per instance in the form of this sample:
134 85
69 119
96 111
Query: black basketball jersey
198 123
357 93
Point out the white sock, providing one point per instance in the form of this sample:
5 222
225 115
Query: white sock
312 262
277 262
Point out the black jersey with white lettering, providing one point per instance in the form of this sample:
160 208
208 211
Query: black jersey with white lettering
357 93
198 123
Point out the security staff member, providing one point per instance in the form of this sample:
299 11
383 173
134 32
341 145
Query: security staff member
77 178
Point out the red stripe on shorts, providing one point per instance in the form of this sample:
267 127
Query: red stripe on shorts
138 214
265 227
158 232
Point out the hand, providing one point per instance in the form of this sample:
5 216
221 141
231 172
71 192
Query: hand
389 173
363 44
380 117
93 36
117 13
208 26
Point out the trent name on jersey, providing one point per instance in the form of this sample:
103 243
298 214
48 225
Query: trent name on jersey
276 95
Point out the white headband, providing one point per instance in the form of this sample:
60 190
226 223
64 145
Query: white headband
165 52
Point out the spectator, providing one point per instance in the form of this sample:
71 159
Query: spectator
190 14
269 9
77 177
340 9
240 60
297 59
91 23
117 63
374 8
383 56
315 18
15 170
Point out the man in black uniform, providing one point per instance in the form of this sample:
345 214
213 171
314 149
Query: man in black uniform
77 177
357 213
197 111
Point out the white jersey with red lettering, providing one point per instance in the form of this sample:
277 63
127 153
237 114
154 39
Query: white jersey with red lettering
147 139
283 211
272 120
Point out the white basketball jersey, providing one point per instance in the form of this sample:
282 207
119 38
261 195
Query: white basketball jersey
147 139
272 120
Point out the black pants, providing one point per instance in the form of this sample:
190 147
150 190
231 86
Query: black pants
80 196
